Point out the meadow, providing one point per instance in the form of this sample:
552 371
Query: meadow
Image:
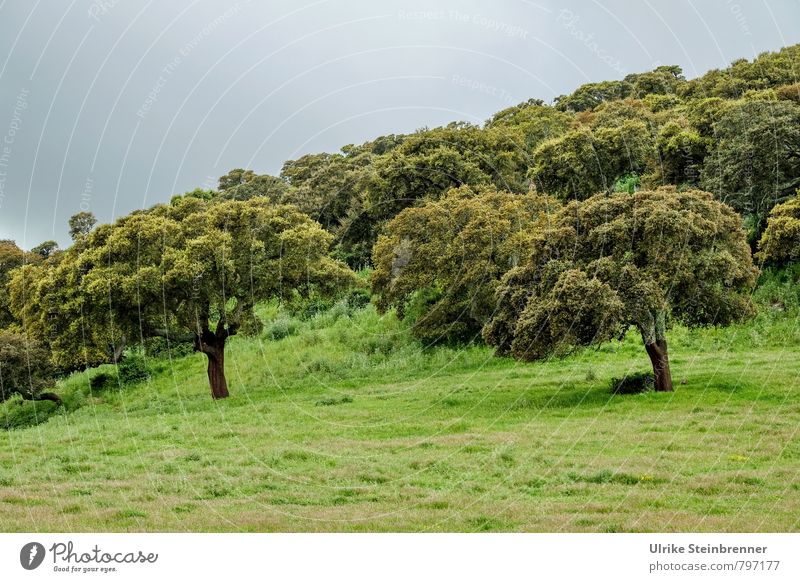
341 421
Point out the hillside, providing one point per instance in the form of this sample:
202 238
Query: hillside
346 424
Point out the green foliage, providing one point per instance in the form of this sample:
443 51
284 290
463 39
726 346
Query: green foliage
629 183
584 162
681 151
17 413
624 260
537 122
191 271
756 162
133 368
780 243
664 80
161 347
263 186
102 381
45 249
81 224
430 163
765 71
440 263
234 178
281 327
25 367
778 291
11 257
591 95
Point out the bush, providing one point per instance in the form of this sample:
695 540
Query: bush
159 347
358 299
311 307
779 289
102 381
133 368
281 327
19 413
633 383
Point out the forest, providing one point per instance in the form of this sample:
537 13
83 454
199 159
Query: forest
581 234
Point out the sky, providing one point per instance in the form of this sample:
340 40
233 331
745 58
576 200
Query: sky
112 105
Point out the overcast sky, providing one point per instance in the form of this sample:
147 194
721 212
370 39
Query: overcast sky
113 105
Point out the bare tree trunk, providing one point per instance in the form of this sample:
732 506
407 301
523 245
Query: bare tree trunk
213 346
660 360
216 371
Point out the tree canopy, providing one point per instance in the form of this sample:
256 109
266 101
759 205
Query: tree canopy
611 262
440 262
188 271
780 243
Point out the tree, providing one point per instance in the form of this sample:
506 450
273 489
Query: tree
11 257
81 224
663 80
45 249
235 177
756 163
780 243
681 151
266 186
584 162
441 262
25 368
591 95
536 121
47 299
611 262
431 162
325 185
194 271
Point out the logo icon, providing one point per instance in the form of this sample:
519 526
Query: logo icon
31 555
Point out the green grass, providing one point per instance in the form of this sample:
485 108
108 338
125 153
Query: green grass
346 424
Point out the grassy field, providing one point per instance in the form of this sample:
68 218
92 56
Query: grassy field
346 424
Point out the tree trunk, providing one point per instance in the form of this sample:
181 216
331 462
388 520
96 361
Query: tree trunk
216 369
660 360
213 346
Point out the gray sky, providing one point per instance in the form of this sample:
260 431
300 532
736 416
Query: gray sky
111 105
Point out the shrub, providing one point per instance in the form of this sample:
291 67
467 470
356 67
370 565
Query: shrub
635 383
19 413
133 368
358 299
101 381
281 327
311 307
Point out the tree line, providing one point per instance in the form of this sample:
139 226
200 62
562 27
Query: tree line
629 204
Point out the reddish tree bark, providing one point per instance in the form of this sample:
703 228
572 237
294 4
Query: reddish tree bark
660 360
213 346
